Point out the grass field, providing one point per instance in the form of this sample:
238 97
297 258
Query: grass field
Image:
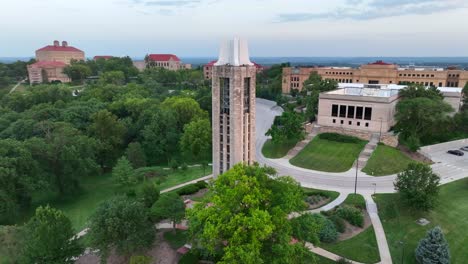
451 215
276 151
362 248
100 188
326 155
355 200
386 160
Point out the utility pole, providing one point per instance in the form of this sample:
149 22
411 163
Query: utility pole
355 180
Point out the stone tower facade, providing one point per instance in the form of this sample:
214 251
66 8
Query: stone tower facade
233 109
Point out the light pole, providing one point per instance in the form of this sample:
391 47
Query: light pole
355 180
402 250
380 134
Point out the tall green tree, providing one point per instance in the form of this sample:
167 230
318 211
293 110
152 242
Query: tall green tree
112 77
465 98
77 71
136 155
288 126
433 248
121 224
185 108
244 222
418 185
49 238
123 173
110 132
169 206
196 140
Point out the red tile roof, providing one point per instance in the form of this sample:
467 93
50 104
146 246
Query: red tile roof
59 48
106 57
379 62
163 57
50 64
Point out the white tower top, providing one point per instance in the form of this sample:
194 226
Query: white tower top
235 53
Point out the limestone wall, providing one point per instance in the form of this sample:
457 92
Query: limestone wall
388 139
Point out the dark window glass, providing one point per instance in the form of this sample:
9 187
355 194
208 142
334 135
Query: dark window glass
350 111
367 124
334 110
368 113
341 121
334 121
359 111
342 110
358 123
350 122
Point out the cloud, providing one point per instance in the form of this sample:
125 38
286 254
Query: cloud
374 9
172 3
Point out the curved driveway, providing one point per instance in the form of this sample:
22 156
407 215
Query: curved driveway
342 182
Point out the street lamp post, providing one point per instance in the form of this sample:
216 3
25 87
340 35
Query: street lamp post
402 251
380 134
355 180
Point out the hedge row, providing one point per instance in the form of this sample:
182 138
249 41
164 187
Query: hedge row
192 188
340 138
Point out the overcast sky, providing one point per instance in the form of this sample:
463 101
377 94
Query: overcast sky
194 28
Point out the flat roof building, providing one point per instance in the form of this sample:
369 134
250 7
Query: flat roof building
378 72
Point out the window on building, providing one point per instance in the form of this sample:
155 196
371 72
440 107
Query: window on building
350 111
341 121
368 113
367 124
359 112
334 110
358 124
342 110
350 122
334 121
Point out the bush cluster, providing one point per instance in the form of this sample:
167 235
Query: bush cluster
351 214
339 223
339 138
328 233
192 188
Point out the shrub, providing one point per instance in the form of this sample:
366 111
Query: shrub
339 138
202 184
305 228
189 189
328 233
174 164
184 166
343 261
149 194
353 215
339 223
189 258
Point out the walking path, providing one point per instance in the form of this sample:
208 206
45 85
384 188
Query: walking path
326 254
339 200
384 250
367 152
16 86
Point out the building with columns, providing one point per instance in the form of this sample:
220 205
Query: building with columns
378 72
233 104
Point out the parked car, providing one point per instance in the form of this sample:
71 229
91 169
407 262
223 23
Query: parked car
456 152
465 148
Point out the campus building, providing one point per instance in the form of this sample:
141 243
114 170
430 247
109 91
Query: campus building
368 108
378 72
51 60
166 61
208 69
233 106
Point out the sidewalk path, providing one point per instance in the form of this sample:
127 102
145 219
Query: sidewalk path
384 250
339 200
326 254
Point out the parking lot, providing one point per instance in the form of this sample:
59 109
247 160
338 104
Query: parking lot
449 166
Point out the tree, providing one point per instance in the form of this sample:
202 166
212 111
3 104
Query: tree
288 126
123 172
418 186
112 77
420 119
433 248
110 132
65 154
169 206
241 224
121 224
196 140
136 155
49 238
465 98
77 71
417 91
20 175
186 110
149 194
306 228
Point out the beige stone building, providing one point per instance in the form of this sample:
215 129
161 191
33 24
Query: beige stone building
51 60
368 108
166 61
378 72
233 106
208 69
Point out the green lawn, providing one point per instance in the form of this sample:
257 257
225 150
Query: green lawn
451 215
355 200
323 260
97 189
361 248
326 155
386 160
276 151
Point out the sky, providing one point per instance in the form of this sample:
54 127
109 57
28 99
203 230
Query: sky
273 28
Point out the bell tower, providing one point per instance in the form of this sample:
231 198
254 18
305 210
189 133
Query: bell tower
233 93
